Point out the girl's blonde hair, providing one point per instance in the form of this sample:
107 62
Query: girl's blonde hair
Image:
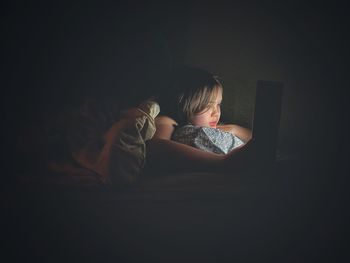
197 101
191 91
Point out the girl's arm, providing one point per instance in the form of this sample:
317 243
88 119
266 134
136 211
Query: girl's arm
165 154
243 133
162 152
171 155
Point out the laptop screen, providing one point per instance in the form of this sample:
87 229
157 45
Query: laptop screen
266 119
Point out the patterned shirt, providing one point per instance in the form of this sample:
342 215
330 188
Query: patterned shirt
207 139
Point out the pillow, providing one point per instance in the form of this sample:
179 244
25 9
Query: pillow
122 158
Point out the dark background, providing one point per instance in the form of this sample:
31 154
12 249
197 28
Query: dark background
57 55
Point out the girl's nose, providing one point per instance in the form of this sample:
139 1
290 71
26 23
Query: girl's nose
215 111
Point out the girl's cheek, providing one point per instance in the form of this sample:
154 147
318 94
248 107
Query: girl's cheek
199 120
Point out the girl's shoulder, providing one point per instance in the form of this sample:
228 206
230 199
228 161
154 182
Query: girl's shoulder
165 120
165 127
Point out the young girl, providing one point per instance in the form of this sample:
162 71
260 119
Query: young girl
188 135
200 108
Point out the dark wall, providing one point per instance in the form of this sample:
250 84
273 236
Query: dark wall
304 44
56 56
59 54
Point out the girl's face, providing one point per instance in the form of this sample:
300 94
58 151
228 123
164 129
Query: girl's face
211 115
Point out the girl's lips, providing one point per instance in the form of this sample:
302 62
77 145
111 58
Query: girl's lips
213 124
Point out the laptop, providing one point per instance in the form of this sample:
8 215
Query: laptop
266 119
